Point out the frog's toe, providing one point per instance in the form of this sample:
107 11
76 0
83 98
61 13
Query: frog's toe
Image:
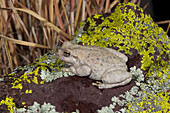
65 69
95 84
99 85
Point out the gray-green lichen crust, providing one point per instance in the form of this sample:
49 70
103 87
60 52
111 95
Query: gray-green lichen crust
37 108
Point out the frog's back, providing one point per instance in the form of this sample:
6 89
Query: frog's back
97 56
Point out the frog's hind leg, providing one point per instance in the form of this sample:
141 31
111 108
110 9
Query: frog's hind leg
107 85
114 79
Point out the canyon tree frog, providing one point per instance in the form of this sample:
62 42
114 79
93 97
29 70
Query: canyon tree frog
105 64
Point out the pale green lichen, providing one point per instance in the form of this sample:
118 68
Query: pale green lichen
1 79
49 76
37 108
137 75
105 109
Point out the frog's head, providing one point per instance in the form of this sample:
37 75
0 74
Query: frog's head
65 53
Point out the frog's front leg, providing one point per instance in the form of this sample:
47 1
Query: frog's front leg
70 69
81 70
114 78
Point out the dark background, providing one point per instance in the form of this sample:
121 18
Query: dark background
159 11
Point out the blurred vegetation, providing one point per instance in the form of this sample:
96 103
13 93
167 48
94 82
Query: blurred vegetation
30 28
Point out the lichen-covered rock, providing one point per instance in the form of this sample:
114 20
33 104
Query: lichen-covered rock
129 29
132 31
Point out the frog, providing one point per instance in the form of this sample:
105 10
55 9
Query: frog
99 63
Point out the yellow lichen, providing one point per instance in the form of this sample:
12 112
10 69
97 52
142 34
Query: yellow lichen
160 99
165 105
10 104
28 91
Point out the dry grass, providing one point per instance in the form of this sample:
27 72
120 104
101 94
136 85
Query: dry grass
30 28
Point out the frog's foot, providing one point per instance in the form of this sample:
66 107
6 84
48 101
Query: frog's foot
111 85
66 69
100 85
69 69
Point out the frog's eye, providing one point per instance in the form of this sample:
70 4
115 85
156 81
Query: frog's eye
66 53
